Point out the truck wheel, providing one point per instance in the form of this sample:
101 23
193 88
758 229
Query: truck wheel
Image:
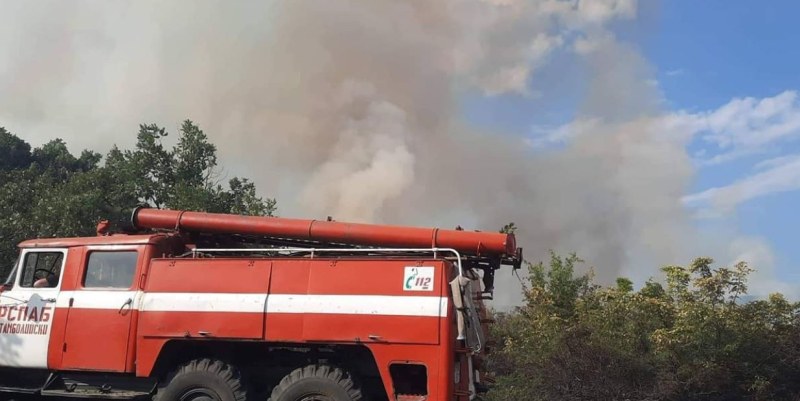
203 380
316 383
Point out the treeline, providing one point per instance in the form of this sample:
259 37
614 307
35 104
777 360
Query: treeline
693 338
49 192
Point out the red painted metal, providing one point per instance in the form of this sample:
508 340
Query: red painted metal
292 300
481 243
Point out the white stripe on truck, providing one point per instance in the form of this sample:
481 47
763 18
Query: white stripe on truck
385 305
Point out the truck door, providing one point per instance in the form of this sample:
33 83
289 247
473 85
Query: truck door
101 310
28 307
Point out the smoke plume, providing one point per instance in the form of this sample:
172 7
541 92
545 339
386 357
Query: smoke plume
351 109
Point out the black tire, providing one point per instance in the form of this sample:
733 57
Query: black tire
203 380
317 383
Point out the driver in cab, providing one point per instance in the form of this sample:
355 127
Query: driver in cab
50 281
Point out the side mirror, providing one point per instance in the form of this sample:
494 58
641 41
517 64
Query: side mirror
5 287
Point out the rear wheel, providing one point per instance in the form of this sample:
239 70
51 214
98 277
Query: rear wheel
317 383
203 380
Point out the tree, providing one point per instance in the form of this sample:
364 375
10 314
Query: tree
184 177
693 340
49 192
14 152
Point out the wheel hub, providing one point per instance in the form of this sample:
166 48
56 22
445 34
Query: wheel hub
200 394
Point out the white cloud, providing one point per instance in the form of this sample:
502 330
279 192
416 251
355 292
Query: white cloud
774 162
507 79
742 127
745 126
584 45
514 77
753 122
732 155
544 137
504 42
780 175
600 11
675 72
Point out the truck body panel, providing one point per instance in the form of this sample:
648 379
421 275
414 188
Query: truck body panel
135 306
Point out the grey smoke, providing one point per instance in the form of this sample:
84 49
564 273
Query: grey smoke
350 109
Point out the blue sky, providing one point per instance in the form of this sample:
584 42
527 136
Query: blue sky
748 49
706 55
745 49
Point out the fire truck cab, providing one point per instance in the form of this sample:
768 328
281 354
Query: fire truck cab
207 310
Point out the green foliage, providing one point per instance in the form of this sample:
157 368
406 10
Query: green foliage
509 228
14 152
48 192
694 339
183 177
624 285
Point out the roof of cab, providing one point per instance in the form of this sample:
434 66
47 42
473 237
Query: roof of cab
119 239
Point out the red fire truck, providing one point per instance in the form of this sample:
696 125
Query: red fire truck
200 306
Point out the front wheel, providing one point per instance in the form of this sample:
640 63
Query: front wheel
203 380
316 383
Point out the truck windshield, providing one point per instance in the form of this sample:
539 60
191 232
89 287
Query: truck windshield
11 276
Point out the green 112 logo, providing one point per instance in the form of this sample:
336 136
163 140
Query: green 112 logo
418 279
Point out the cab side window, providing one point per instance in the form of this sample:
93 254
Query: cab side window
110 269
41 269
